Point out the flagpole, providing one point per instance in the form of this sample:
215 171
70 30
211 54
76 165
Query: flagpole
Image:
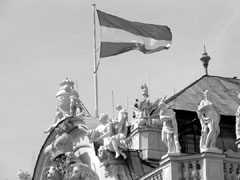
95 62
113 105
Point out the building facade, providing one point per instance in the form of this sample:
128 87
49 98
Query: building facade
189 136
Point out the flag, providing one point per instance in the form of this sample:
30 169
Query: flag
119 35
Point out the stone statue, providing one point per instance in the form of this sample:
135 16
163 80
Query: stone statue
111 140
52 173
139 120
114 167
238 123
145 105
209 119
121 123
68 103
62 144
170 129
82 171
64 162
135 106
237 129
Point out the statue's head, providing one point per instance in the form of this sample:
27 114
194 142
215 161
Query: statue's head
205 104
144 90
103 118
162 105
82 171
76 172
118 107
67 85
101 152
52 173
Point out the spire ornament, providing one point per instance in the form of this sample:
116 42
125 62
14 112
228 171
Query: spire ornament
205 59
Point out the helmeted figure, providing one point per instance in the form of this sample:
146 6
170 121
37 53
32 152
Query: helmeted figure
145 105
68 100
209 119
63 98
170 129
68 103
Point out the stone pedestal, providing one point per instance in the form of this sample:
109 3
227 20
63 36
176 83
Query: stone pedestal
212 166
170 167
149 141
112 168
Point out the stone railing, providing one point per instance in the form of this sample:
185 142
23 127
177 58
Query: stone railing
190 168
231 168
156 174
184 167
205 166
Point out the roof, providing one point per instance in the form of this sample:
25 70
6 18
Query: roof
222 92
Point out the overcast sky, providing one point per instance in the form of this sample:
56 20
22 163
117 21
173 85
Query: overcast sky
44 41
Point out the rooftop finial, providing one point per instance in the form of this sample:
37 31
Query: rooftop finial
205 59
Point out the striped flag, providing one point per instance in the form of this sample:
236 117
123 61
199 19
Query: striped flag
119 35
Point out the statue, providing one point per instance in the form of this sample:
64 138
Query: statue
209 119
82 171
111 139
145 112
139 120
145 105
135 106
237 129
121 123
68 103
53 173
170 129
76 108
113 166
62 144
64 162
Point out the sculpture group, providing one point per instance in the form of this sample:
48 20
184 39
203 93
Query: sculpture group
64 163
110 136
63 153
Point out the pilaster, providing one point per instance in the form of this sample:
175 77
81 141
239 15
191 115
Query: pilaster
212 166
170 167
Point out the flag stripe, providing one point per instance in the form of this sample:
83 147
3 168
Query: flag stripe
122 36
113 48
157 32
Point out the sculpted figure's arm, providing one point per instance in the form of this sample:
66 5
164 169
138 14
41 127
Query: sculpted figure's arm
238 112
167 115
107 133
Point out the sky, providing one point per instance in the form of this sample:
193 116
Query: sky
44 41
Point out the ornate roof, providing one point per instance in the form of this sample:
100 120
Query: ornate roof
223 93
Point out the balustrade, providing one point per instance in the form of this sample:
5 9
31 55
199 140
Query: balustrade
189 170
191 167
231 170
